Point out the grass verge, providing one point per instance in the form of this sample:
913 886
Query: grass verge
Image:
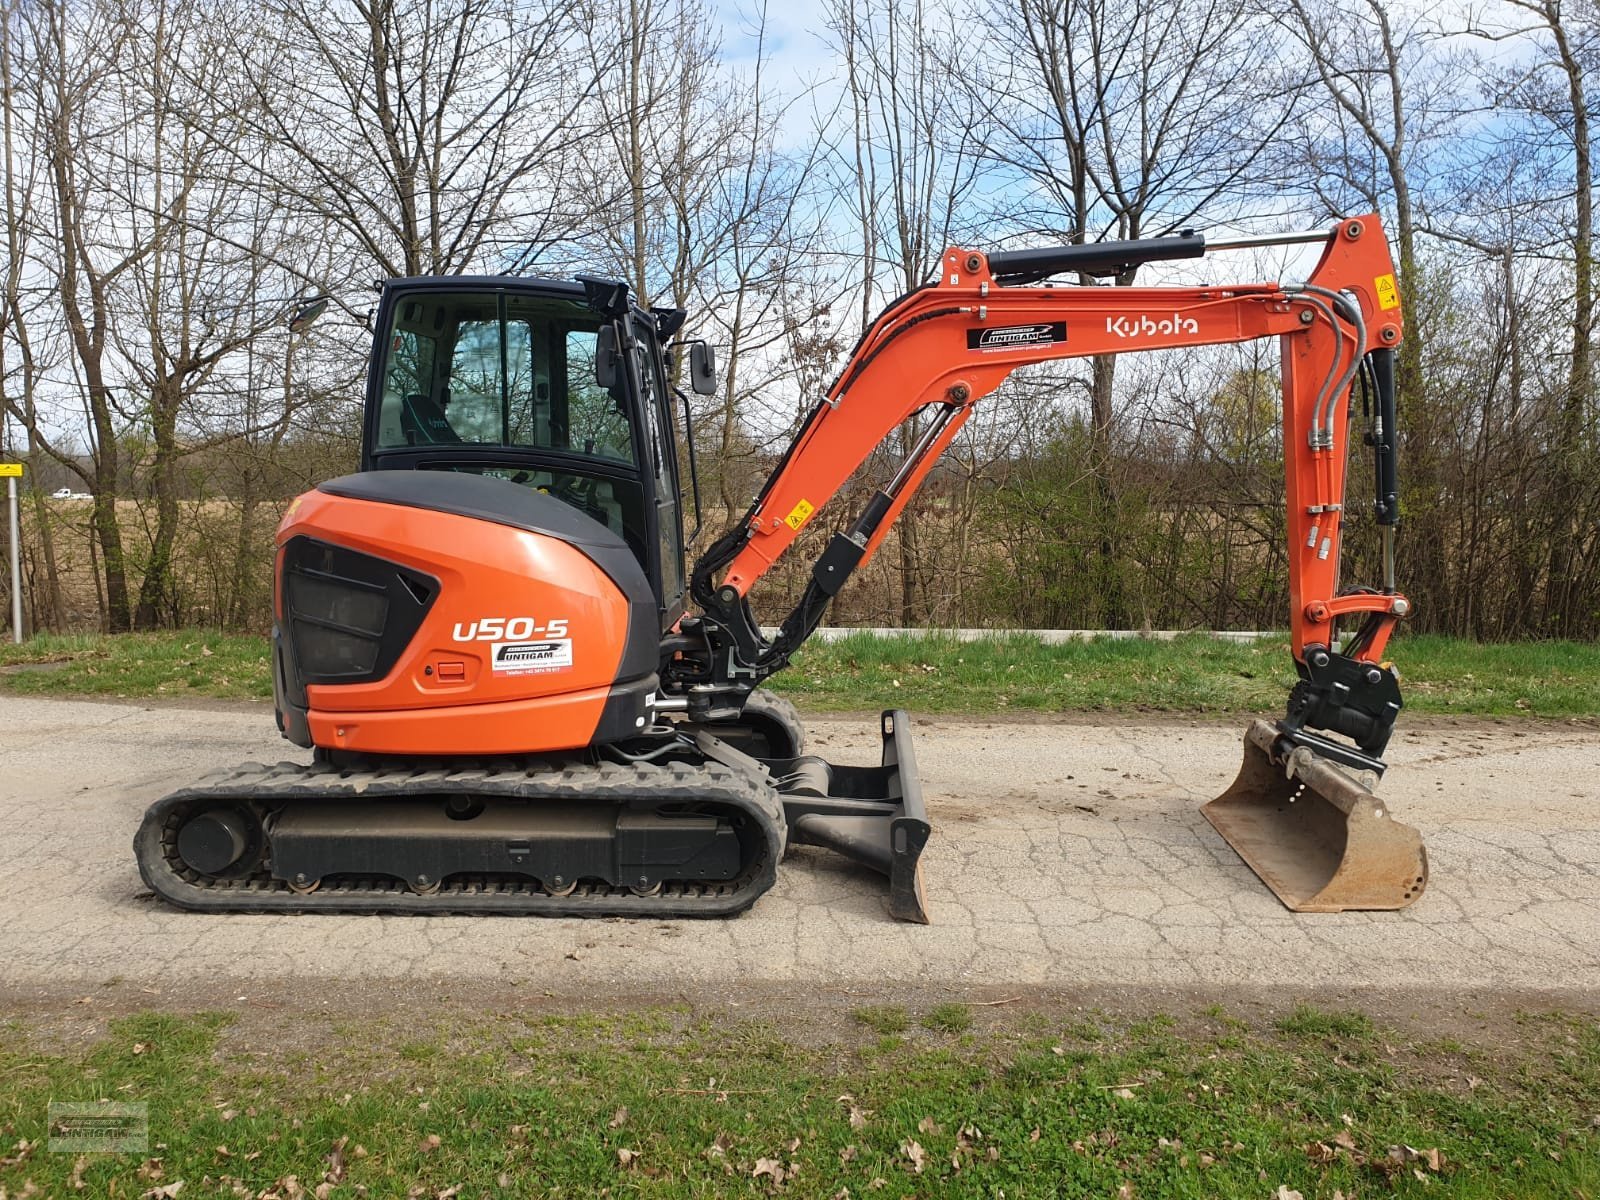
663 1103
1193 674
137 665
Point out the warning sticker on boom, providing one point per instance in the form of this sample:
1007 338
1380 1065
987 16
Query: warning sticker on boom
1388 296
800 514
531 658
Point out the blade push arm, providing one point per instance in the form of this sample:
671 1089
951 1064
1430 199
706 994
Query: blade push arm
941 349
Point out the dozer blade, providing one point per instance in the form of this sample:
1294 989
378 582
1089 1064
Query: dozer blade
1315 836
870 815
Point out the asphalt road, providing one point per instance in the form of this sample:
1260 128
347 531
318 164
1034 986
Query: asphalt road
1065 853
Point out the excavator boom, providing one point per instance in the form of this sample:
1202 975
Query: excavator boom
939 351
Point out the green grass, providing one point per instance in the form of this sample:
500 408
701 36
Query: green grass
948 1018
1306 1021
137 665
686 1106
883 1018
1194 674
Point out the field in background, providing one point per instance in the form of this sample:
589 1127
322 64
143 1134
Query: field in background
1008 673
210 588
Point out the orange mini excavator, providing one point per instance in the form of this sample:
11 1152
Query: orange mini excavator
519 702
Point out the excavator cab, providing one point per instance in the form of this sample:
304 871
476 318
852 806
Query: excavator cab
529 381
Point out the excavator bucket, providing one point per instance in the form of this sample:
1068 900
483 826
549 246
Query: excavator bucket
1319 839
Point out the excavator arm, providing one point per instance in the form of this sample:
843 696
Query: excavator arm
939 351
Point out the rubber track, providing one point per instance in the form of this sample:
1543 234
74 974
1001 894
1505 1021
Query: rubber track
155 844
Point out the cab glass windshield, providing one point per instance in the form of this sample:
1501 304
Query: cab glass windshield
488 369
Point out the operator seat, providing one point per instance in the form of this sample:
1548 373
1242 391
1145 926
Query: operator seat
423 421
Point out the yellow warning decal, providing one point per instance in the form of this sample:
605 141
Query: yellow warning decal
1388 297
800 514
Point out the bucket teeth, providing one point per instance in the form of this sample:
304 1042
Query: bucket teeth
1314 834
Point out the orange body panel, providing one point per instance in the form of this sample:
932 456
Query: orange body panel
931 350
444 695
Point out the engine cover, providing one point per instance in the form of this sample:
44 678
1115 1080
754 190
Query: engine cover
430 612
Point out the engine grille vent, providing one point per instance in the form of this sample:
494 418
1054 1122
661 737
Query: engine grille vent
348 616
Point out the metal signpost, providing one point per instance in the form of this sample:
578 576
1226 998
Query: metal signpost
13 472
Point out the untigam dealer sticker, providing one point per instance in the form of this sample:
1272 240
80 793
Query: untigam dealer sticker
531 658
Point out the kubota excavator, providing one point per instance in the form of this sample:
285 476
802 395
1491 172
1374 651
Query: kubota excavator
519 703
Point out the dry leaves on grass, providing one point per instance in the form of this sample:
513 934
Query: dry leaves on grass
858 1115
627 1159
916 1157
335 1158
1406 1155
165 1192
772 1168
19 1153
967 1139
618 1118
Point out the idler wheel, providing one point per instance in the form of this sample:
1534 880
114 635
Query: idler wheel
214 840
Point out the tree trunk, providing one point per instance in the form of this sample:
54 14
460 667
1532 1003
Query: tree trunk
157 590
1107 517
1567 482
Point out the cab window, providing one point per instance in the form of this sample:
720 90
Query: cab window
488 369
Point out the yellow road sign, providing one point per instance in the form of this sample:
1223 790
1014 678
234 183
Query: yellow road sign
10 469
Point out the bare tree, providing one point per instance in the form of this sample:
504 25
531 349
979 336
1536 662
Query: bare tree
1550 91
187 306
75 49
1127 119
22 367
436 136
915 167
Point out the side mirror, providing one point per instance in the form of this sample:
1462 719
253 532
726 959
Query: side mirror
702 369
306 312
605 357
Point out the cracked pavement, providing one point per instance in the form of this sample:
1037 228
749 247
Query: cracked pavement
1066 852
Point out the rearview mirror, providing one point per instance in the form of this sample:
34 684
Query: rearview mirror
702 369
306 312
605 357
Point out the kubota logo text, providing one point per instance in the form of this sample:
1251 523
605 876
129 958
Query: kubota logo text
1147 326
510 629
